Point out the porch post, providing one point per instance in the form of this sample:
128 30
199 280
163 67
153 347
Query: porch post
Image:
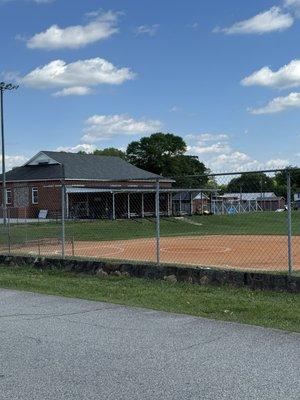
191 203
87 205
180 203
128 205
113 206
143 212
67 205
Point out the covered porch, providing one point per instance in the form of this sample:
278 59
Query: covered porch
104 203
94 203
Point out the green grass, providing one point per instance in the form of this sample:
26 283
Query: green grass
265 308
267 223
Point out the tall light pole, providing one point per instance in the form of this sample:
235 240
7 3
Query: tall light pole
4 86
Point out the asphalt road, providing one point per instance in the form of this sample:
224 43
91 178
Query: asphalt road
57 348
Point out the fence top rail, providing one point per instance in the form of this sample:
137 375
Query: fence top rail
237 173
136 190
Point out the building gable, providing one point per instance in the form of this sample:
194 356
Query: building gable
41 159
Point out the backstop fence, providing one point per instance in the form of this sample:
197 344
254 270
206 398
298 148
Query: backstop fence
228 221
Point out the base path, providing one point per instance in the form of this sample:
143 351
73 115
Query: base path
254 252
71 349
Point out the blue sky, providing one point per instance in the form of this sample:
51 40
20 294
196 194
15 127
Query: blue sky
225 75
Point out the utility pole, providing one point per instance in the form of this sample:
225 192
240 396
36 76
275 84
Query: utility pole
4 86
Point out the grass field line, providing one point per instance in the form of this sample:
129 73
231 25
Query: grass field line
265 308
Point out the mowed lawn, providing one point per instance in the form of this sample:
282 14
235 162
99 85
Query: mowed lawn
266 308
267 223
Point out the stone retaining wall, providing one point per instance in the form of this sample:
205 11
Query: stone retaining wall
201 276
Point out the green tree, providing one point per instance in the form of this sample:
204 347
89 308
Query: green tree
281 181
187 171
153 152
110 151
251 182
164 154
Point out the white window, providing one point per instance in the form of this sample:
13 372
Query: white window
34 195
8 197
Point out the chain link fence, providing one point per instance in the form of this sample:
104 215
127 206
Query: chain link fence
213 221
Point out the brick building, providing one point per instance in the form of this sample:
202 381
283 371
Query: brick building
94 187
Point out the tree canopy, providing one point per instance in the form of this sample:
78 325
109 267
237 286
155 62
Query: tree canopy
164 154
281 180
251 182
108 151
154 152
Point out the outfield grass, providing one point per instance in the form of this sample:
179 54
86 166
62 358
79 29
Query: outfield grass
265 308
267 223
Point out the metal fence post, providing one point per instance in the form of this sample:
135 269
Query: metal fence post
8 231
289 221
157 223
63 232
26 226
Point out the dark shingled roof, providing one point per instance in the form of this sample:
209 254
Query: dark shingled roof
81 167
34 172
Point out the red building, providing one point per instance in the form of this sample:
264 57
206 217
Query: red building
94 187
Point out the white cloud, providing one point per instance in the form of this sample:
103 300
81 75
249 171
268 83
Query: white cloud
13 161
81 73
202 140
76 90
267 21
213 148
286 77
102 27
207 137
239 161
291 3
88 148
279 104
146 30
236 161
277 163
207 144
233 158
216 151
294 5
101 127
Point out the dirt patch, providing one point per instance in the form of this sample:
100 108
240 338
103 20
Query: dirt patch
244 252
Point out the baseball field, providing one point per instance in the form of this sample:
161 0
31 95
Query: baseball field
255 241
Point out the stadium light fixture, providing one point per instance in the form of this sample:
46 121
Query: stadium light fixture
4 86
